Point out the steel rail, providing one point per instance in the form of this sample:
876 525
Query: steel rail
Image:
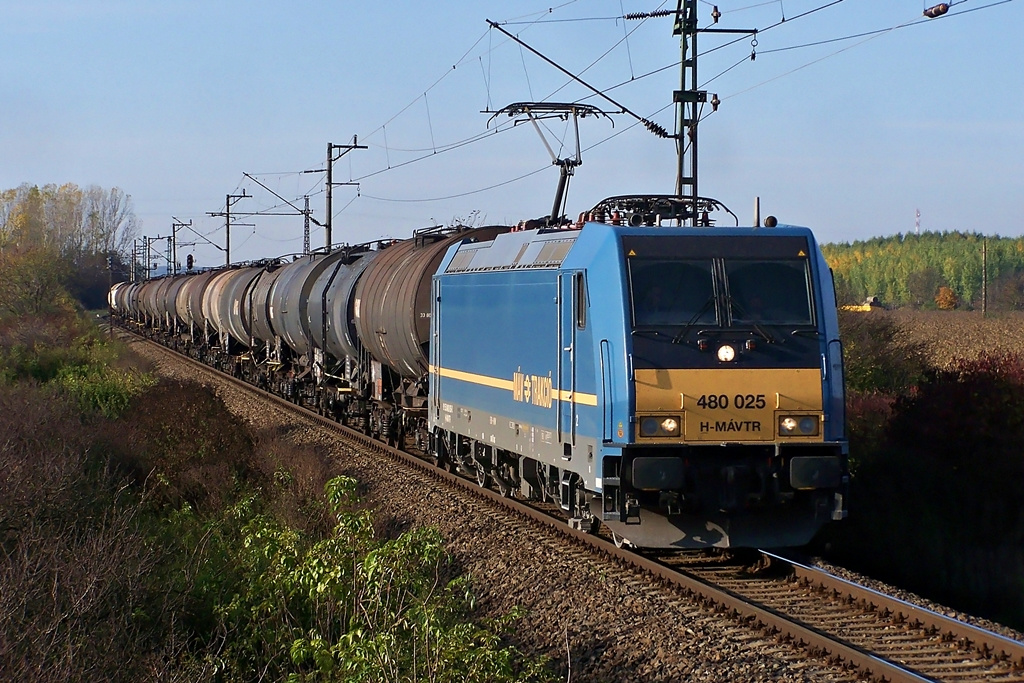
986 642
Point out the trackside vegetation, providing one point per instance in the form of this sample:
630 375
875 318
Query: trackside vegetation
148 535
937 460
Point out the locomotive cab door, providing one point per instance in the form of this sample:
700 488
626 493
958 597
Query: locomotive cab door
570 311
434 371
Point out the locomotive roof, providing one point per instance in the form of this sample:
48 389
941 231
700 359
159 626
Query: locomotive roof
547 248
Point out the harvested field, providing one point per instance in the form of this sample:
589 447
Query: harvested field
961 334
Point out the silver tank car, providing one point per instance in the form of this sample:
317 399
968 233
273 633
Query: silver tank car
259 304
331 305
231 305
289 299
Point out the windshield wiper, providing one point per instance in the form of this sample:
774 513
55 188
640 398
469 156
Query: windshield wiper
679 338
757 328
650 333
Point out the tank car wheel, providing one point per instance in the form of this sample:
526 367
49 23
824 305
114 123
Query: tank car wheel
504 487
621 542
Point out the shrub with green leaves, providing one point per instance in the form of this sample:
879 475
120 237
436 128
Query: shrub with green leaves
102 389
347 607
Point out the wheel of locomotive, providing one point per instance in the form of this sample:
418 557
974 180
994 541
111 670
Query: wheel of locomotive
483 477
439 452
504 482
542 478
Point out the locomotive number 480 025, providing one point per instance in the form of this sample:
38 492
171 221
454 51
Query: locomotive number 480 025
739 401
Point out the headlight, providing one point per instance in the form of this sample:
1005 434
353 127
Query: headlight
799 425
659 426
726 353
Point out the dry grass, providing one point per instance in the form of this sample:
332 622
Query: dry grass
962 334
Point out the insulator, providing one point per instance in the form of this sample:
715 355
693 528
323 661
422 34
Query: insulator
655 128
936 10
715 14
632 16
715 102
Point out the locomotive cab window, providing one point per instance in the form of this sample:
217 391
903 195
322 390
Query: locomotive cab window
677 292
770 292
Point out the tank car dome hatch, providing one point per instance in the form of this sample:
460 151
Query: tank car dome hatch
392 305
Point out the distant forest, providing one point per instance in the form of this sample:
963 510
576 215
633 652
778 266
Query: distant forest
930 270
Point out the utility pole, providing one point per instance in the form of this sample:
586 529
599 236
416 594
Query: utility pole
110 286
689 101
229 201
305 229
984 277
135 250
174 240
331 158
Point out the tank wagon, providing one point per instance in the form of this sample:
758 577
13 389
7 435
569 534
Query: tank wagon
682 387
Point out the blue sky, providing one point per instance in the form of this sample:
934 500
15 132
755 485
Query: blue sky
173 101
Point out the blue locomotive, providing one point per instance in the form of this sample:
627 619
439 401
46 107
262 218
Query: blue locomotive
681 386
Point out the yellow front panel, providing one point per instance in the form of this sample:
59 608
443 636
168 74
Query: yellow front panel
734 405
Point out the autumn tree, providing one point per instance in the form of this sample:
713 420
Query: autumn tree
79 227
946 299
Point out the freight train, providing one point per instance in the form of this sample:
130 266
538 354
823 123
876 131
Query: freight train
681 387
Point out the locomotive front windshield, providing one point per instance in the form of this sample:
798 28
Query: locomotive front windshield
673 292
769 292
720 291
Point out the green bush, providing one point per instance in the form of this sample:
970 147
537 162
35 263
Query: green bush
346 607
101 389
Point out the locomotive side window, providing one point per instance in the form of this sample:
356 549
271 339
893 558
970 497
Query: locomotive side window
771 292
581 301
672 292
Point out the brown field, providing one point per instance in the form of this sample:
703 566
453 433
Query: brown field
961 334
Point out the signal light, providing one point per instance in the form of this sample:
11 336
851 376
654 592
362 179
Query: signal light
189 262
936 10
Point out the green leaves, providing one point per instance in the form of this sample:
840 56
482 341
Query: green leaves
351 607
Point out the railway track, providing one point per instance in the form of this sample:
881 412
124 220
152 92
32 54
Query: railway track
856 631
